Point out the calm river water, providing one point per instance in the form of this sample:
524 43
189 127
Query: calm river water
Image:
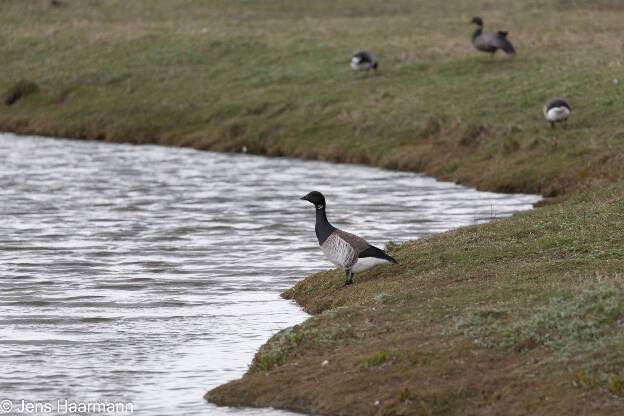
149 275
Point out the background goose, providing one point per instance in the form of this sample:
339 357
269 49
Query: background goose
556 110
363 60
347 251
490 42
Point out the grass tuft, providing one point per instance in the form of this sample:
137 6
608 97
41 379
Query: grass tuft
405 395
274 353
19 90
377 359
266 362
611 382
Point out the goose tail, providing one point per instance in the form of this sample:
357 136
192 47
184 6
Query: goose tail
373 251
505 44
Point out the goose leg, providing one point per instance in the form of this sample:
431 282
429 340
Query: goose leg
552 124
347 280
350 278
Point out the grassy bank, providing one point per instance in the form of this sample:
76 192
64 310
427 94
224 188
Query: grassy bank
520 316
273 76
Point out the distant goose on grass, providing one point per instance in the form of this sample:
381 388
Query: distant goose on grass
557 110
363 60
347 251
490 42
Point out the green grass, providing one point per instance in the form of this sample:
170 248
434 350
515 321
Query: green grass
611 382
17 91
274 77
265 362
572 322
518 316
377 359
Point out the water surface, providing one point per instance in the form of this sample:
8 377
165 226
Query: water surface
150 274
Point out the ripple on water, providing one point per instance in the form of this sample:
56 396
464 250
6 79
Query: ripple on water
152 274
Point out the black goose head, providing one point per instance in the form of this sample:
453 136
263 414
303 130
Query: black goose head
477 21
316 198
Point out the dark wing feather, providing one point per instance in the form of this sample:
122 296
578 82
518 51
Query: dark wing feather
489 42
364 55
503 43
358 243
557 102
373 251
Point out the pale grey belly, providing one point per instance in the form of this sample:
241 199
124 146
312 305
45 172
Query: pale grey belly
339 252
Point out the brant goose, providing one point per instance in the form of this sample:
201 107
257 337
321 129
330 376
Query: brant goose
556 110
363 60
347 251
490 42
